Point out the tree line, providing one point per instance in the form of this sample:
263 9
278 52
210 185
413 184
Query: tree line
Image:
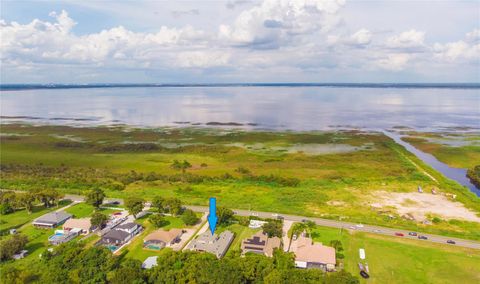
74 263
11 201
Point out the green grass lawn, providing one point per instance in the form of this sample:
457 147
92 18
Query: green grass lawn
82 210
396 260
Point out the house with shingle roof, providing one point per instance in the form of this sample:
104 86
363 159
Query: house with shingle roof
314 255
52 219
82 224
216 244
260 243
160 238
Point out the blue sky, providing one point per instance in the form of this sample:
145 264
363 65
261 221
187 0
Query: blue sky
240 41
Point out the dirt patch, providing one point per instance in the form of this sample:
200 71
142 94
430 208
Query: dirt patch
419 205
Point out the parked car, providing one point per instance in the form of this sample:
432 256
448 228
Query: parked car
452 242
294 237
422 237
399 234
412 234
364 274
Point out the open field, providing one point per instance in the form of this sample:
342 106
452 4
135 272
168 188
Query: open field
82 210
395 260
336 175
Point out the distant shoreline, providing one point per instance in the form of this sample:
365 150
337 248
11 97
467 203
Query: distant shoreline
20 87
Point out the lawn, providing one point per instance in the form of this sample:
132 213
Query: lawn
82 210
395 260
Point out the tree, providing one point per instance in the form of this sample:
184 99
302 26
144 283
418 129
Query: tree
27 199
183 166
337 245
134 205
6 208
173 206
273 228
98 219
95 197
157 220
130 272
159 203
189 217
49 197
11 246
224 216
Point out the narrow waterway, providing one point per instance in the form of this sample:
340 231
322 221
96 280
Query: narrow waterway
459 175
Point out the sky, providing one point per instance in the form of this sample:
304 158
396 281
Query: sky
239 41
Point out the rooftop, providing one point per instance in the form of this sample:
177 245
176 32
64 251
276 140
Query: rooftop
261 243
164 236
308 251
216 244
53 217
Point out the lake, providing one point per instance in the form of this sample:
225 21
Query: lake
296 108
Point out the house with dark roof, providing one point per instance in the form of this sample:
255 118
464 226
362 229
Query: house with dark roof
51 220
121 234
260 243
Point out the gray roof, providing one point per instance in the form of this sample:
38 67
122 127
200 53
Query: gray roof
216 244
150 262
116 235
53 217
127 226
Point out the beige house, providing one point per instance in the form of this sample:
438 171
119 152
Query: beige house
260 243
160 238
83 224
314 255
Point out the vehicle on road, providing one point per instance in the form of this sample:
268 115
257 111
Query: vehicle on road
359 226
364 274
414 234
377 231
422 238
254 214
352 227
305 220
399 234
452 242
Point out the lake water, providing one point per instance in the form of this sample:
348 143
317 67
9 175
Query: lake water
296 108
266 107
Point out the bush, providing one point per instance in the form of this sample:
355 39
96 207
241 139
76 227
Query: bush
11 246
189 217
5 209
157 220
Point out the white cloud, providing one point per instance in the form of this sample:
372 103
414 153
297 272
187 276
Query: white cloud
202 59
361 38
411 39
394 62
276 22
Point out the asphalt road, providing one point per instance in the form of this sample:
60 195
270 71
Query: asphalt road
354 227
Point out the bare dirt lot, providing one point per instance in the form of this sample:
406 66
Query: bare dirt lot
419 205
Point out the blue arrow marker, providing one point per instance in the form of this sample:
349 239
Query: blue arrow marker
212 216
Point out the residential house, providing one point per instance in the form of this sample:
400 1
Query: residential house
260 243
121 233
216 244
160 238
52 219
83 224
313 255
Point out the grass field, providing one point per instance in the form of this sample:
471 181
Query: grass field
395 260
325 174
83 210
460 150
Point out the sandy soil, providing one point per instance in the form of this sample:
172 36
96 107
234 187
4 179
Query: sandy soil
419 205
